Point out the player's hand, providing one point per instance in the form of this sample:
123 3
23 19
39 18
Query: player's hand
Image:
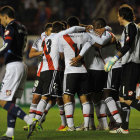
75 60
113 39
88 28
110 63
108 66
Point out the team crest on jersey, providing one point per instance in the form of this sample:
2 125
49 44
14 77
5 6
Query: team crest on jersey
7 32
8 92
36 83
130 93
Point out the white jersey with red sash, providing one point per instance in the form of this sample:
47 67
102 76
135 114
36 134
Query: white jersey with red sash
70 45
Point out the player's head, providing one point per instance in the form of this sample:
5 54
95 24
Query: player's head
65 24
73 21
6 14
48 28
99 23
125 13
57 26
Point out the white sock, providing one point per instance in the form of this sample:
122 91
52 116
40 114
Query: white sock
28 120
103 116
40 109
62 115
86 113
47 108
10 132
91 119
32 111
113 109
69 110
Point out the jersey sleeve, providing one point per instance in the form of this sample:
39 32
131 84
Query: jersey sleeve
72 30
36 44
88 43
129 39
103 40
8 38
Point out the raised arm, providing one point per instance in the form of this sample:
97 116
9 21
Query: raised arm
72 30
103 40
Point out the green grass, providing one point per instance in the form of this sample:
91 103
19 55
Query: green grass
53 122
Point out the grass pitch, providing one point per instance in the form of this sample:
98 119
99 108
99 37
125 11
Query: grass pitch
53 122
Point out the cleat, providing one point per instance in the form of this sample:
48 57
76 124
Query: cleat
71 128
119 131
82 128
4 137
61 127
25 128
64 129
116 126
39 127
32 127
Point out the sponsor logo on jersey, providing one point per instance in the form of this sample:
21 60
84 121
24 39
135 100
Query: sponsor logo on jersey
8 92
130 93
7 32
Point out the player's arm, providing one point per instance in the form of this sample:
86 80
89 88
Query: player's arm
72 30
34 53
85 48
8 38
103 40
132 31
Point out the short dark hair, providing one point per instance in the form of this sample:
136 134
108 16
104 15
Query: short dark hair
99 23
73 21
48 25
57 26
7 10
127 13
65 24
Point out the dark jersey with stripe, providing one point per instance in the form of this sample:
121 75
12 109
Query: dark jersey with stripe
15 38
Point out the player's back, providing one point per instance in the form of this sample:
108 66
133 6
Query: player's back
51 53
71 45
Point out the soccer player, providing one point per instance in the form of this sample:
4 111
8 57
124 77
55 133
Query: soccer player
37 51
129 53
13 83
51 81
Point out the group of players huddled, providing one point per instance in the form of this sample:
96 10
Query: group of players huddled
89 61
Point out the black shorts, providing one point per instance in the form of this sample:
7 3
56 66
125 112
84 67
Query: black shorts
130 78
76 83
48 84
114 79
97 80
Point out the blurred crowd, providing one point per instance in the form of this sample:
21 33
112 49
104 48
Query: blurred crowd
34 14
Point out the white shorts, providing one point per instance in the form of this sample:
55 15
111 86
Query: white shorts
14 81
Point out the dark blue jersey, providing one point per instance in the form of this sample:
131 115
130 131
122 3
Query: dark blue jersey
15 38
2 31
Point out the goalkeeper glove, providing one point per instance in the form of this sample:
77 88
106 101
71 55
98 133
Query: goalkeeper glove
110 63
